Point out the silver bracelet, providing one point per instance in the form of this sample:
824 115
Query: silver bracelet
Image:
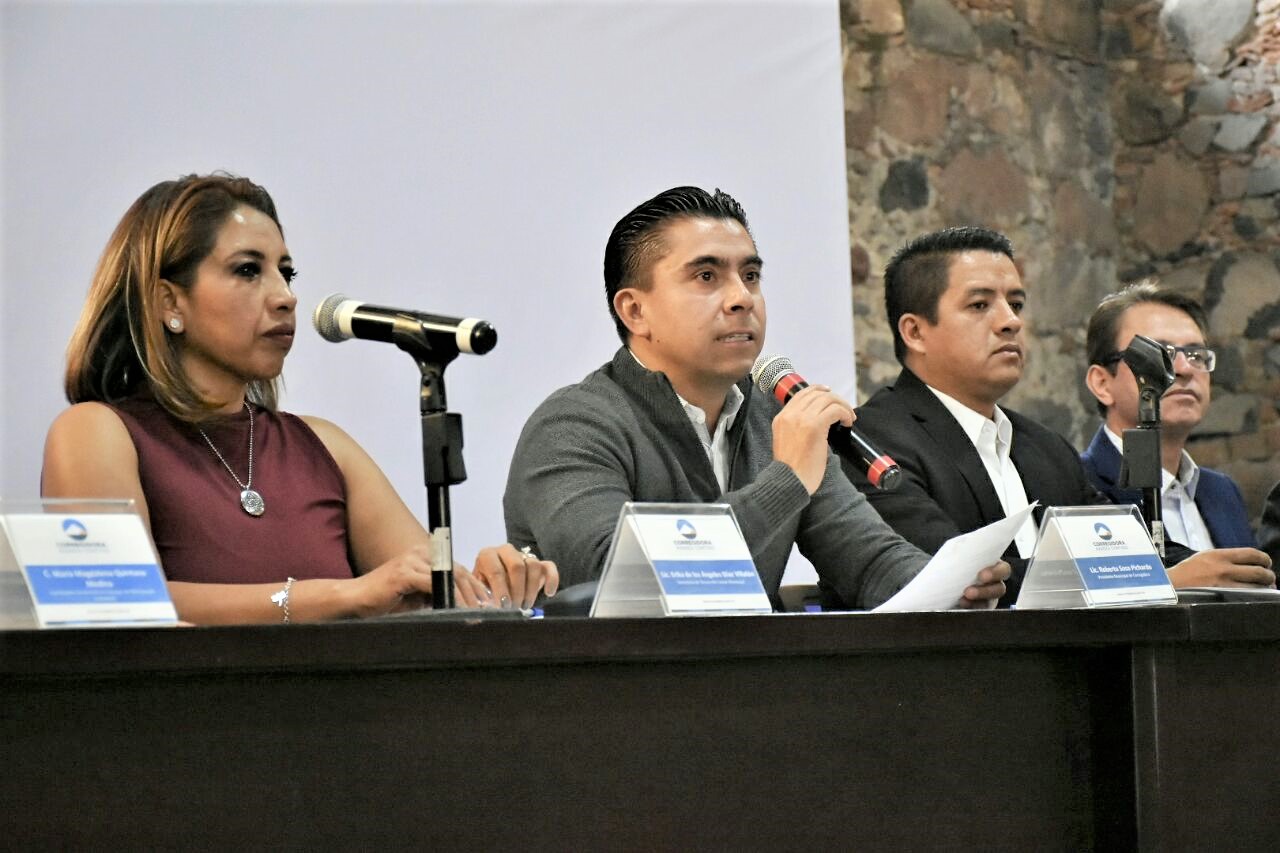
281 599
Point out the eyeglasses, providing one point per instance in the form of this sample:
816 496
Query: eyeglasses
1200 358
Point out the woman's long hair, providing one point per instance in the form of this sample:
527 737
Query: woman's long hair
121 340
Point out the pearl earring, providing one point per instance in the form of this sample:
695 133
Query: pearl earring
175 323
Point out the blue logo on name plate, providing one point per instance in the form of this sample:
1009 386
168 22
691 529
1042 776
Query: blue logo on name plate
685 529
1103 532
74 530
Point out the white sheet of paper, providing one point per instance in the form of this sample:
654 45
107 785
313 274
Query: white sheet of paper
944 578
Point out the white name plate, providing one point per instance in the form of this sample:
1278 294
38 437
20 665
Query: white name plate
92 568
1094 556
678 560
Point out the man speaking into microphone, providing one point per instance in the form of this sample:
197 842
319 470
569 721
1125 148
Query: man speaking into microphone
674 417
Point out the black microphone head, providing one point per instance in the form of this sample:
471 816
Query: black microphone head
483 336
1150 363
325 318
890 479
769 369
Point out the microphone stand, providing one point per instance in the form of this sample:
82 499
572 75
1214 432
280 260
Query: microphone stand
1141 469
441 452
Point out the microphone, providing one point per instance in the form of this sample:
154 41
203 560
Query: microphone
775 375
338 318
1152 367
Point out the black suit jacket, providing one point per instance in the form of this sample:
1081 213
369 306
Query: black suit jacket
1269 528
945 489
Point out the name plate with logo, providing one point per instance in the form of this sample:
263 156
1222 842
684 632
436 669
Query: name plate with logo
82 563
1092 556
678 560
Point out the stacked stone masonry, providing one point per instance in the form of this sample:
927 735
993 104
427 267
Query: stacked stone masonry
1111 140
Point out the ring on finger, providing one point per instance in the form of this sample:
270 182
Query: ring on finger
526 553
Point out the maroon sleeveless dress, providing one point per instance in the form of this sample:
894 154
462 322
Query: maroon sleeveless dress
202 533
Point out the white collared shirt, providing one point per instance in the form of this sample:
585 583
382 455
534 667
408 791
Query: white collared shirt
993 439
1183 522
715 446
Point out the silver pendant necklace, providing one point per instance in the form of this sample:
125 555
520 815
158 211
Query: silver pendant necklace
249 499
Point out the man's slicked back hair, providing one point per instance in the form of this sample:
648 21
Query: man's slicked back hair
636 241
916 276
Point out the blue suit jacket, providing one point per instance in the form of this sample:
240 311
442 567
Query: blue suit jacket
1217 496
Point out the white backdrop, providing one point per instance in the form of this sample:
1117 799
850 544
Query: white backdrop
461 158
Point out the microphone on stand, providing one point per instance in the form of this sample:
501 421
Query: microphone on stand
777 377
433 341
1152 368
338 318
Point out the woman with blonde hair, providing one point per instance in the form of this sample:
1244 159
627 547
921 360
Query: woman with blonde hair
172 372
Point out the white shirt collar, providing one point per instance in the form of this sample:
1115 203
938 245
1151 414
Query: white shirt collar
974 423
732 403
992 438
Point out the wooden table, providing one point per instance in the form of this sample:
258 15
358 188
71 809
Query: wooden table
1070 730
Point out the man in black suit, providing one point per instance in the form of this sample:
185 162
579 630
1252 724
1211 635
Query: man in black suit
955 301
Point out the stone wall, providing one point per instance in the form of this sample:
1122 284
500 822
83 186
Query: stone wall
1110 139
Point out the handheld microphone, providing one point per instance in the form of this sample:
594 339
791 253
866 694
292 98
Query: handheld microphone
338 318
775 375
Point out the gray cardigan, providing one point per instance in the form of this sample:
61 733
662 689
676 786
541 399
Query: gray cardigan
622 435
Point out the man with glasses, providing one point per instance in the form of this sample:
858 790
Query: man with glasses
1202 508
